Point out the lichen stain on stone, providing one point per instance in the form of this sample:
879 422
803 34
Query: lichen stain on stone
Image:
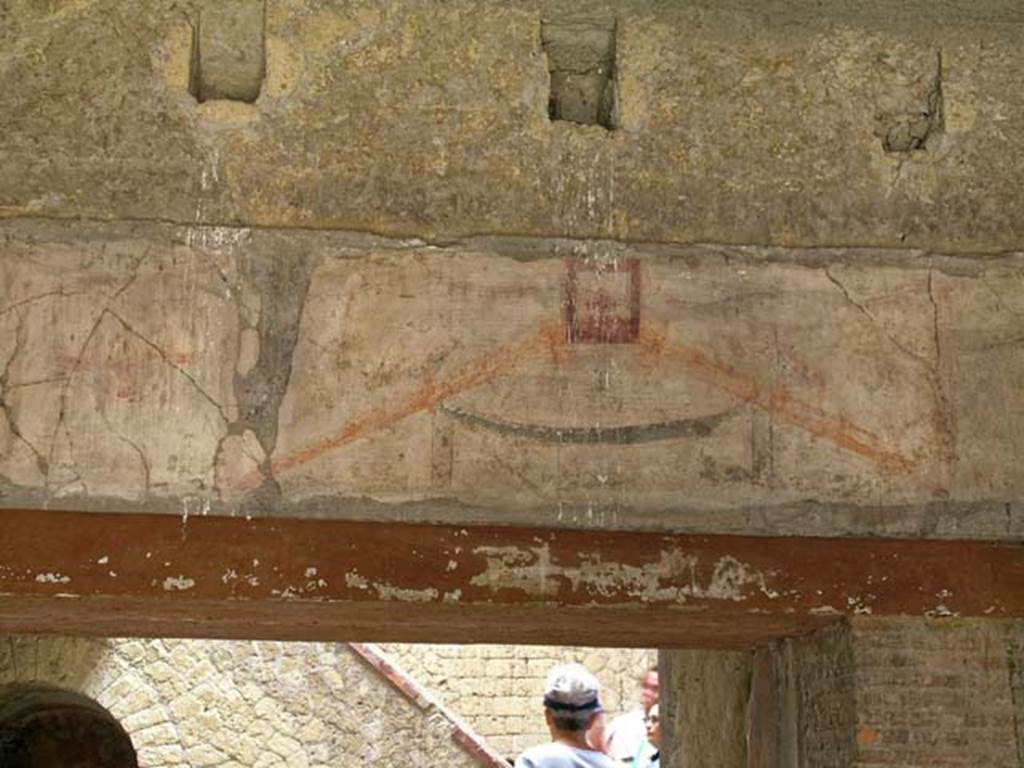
674 577
390 592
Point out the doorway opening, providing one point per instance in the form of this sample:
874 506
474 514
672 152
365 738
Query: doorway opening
42 727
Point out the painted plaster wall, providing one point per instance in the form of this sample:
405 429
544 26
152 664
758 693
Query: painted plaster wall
212 370
497 688
238 704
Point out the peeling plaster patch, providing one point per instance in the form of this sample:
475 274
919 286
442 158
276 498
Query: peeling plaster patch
103 560
214 238
67 595
391 592
311 572
112 574
229 575
288 594
532 571
452 597
825 610
178 583
941 611
354 581
858 605
53 578
452 565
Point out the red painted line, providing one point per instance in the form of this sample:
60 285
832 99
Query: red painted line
426 397
839 430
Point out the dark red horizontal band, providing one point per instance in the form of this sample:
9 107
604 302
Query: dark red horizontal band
286 578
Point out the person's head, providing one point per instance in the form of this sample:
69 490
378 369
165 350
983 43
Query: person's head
652 721
570 699
649 689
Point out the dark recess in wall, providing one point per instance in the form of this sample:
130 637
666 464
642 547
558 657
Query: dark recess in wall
228 59
581 60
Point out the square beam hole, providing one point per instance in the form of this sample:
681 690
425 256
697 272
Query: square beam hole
228 60
581 60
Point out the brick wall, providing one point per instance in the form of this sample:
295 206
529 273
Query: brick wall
937 693
498 688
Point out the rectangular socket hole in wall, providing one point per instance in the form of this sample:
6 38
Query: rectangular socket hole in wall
228 60
581 60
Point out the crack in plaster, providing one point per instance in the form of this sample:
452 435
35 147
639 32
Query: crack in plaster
60 293
146 472
76 364
928 364
943 423
933 372
163 356
12 423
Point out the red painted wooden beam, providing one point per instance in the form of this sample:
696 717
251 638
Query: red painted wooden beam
286 578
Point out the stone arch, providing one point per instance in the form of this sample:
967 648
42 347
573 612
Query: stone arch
42 726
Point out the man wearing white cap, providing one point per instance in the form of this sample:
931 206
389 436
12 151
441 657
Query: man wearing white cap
570 707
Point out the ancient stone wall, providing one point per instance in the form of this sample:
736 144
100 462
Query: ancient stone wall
238 704
498 688
787 122
530 333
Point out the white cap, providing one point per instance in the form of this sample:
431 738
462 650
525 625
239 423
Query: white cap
571 688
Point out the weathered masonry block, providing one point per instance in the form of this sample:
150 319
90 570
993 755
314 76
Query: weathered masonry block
228 60
581 59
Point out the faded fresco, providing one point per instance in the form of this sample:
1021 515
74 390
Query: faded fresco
196 369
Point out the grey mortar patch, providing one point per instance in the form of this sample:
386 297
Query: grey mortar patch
282 282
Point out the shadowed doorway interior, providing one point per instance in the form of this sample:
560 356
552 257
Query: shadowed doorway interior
42 727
